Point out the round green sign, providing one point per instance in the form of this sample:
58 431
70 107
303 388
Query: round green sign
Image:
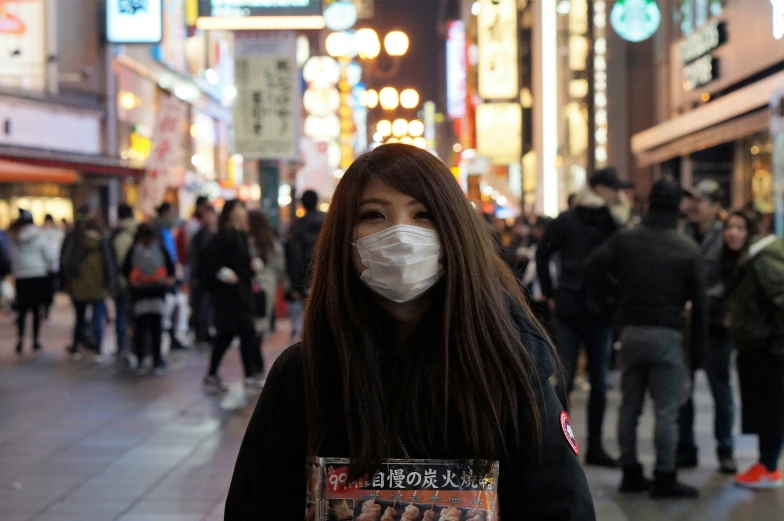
635 20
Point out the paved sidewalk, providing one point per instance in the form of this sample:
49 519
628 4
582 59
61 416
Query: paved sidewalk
82 442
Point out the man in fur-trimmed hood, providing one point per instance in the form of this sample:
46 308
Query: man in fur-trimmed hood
583 313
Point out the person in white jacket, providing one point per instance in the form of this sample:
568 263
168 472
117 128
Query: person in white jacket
32 257
53 236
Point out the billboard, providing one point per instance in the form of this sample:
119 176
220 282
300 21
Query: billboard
245 8
140 21
497 36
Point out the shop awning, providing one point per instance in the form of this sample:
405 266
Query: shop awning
723 133
740 111
12 172
101 165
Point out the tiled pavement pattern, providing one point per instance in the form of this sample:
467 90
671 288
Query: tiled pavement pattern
80 442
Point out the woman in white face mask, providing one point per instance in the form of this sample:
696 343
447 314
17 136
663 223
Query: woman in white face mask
417 343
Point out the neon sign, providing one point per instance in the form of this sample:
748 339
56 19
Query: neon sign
635 20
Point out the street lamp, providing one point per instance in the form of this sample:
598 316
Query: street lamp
370 99
409 99
388 98
340 45
396 43
416 128
367 44
384 127
399 127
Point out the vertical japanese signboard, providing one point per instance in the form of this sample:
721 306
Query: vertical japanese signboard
456 70
497 36
166 154
267 107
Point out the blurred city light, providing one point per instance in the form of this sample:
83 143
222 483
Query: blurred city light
388 98
396 43
409 99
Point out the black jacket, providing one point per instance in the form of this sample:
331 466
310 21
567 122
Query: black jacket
657 270
198 247
575 234
234 303
300 248
269 480
712 248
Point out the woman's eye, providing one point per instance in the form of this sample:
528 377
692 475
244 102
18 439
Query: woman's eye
370 215
424 215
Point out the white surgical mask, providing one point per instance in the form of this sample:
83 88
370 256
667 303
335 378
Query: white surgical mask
401 262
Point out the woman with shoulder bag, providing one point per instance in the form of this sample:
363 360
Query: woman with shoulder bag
754 274
417 344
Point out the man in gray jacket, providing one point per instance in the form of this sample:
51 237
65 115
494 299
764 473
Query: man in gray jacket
657 271
707 228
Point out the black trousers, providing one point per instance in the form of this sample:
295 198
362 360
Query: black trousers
248 347
31 295
148 330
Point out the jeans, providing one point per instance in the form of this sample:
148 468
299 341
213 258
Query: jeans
122 304
651 358
96 323
597 341
770 445
718 358
148 330
296 312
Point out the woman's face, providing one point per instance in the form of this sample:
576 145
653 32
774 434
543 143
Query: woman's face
239 218
381 207
735 233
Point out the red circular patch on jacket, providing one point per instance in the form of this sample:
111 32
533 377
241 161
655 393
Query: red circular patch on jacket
566 427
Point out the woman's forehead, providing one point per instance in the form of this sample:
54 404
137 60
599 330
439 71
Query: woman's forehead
378 191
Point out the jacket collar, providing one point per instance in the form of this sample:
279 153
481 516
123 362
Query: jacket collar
659 219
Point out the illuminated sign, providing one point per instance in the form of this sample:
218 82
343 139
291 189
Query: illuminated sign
499 132
245 8
456 70
699 67
497 37
635 20
778 18
140 21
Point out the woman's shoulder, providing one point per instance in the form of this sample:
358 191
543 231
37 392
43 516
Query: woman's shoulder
288 365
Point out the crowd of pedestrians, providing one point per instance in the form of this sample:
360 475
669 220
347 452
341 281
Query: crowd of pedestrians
232 264
405 263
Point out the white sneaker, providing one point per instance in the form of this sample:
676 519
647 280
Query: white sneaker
98 358
214 384
254 382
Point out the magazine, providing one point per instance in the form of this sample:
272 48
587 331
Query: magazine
404 490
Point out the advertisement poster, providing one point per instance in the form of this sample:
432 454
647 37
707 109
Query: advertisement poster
499 132
456 70
404 490
165 156
267 106
22 45
497 35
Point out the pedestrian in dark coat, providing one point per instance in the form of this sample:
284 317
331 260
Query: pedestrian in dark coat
583 313
658 271
229 277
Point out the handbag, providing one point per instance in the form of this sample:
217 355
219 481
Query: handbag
259 301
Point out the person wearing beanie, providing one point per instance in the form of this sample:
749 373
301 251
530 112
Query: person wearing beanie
658 272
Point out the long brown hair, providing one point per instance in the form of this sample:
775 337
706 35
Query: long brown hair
472 380
261 233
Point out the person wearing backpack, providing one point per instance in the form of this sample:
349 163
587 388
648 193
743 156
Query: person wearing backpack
122 241
299 256
149 271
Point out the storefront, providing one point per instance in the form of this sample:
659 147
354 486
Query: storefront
724 70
